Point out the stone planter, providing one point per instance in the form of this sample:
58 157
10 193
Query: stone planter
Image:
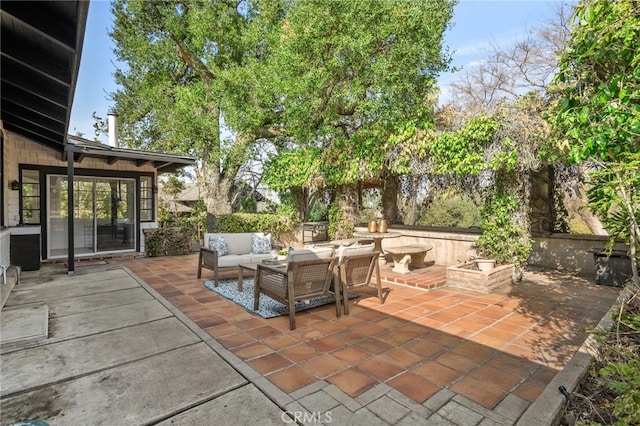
468 276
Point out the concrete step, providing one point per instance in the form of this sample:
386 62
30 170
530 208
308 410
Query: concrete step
13 277
20 325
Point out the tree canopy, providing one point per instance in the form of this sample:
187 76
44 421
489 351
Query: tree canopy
598 86
175 55
335 75
352 72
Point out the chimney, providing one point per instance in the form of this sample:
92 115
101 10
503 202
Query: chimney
112 118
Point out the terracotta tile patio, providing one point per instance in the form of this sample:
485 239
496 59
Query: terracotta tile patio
482 346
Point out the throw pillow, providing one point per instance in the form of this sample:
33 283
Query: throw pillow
218 244
260 245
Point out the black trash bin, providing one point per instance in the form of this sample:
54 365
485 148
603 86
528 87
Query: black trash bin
25 251
614 270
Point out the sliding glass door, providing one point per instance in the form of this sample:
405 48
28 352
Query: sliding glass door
104 215
115 214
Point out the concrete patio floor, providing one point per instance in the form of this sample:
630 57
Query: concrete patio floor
445 356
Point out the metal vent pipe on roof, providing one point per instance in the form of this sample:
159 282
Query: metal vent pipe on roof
112 118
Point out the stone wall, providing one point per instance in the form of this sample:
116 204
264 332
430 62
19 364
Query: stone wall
451 246
568 252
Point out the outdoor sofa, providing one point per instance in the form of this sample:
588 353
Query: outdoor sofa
225 251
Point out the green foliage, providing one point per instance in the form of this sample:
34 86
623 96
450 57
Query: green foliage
451 211
246 222
495 156
461 152
192 224
339 76
249 205
502 239
319 212
596 116
614 196
348 73
295 168
339 226
287 210
168 241
596 113
172 184
183 64
367 215
621 360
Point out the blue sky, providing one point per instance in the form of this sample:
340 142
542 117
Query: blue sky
476 26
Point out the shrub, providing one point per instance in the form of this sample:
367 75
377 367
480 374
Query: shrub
502 238
247 222
319 212
166 242
193 224
453 211
610 393
249 205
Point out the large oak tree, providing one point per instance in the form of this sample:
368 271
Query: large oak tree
178 58
353 73
340 76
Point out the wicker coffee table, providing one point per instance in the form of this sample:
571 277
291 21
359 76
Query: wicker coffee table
253 266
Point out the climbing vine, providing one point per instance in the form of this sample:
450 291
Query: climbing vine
495 156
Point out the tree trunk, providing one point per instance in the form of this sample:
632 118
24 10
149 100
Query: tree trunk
347 200
412 202
215 192
390 198
300 198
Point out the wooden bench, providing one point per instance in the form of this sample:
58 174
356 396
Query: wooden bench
403 256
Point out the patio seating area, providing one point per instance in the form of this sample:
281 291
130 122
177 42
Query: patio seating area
426 342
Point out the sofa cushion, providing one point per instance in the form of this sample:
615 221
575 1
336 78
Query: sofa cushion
218 243
239 243
233 260
354 250
260 244
310 254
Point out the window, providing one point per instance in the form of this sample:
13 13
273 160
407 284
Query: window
146 199
30 201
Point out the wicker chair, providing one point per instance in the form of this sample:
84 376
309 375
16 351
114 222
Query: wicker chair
301 280
355 270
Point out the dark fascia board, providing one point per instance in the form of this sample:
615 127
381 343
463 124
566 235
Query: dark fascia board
83 12
164 163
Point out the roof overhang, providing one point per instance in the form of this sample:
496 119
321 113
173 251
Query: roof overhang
163 163
40 58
